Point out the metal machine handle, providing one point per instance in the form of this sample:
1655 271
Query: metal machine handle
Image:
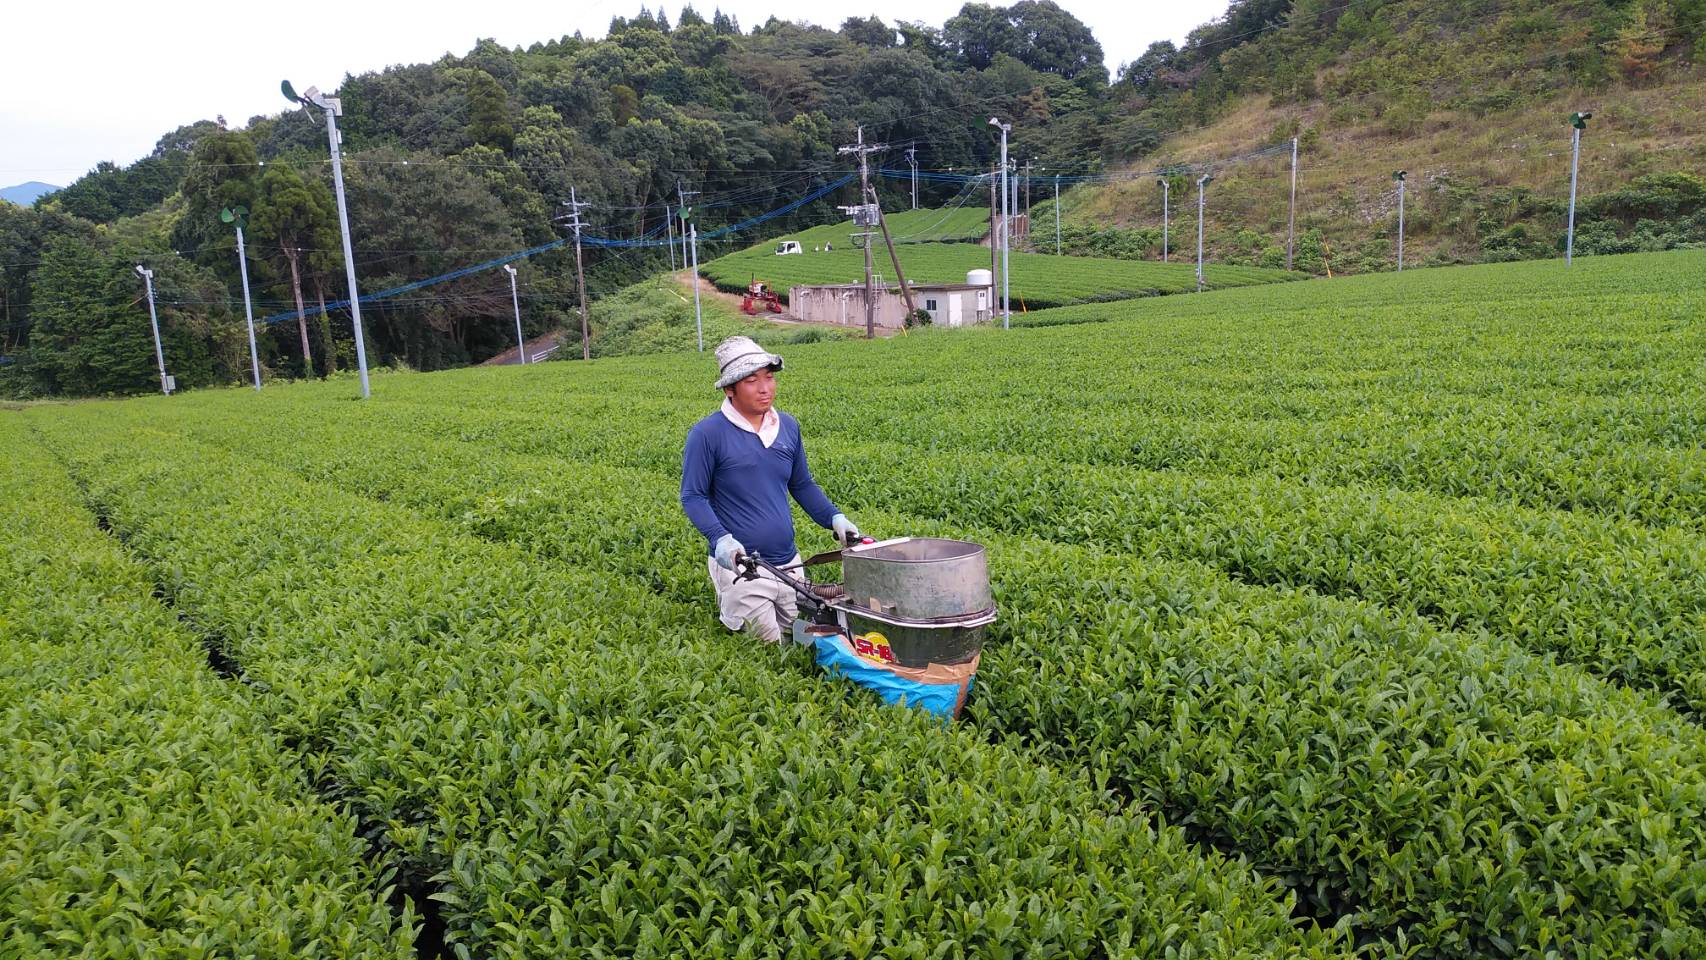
747 566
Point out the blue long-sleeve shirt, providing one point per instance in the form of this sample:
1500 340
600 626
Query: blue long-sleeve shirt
731 483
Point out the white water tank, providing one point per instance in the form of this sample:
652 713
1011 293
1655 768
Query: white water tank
979 278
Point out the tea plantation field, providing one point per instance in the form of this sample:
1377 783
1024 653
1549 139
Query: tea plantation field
968 222
1362 617
1039 280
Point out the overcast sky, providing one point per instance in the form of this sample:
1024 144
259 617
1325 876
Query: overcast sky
81 83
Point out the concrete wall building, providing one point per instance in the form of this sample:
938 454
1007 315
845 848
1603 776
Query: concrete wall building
949 304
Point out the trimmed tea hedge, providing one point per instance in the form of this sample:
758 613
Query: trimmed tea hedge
147 812
585 766
1424 784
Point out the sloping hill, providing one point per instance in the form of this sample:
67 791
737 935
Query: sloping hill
1471 100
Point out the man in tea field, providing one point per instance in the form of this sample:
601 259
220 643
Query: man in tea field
738 469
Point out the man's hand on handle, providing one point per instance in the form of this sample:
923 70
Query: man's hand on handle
845 531
727 551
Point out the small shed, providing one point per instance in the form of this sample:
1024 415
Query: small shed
949 304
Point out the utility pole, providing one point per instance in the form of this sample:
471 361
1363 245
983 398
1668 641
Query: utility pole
1012 208
698 319
1006 218
1028 188
912 160
154 322
334 108
574 219
863 217
515 301
669 233
1399 176
682 196
238 217
1057 214
894 258
1166 195
1579 122
1201 207
994 242
1291 218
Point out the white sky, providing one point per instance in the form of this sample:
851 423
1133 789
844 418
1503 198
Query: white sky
96 81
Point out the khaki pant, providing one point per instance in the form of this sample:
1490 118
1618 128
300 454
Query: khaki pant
765 607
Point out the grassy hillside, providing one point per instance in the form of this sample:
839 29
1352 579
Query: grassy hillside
1470 99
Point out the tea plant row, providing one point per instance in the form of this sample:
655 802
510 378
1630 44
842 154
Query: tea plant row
586 767
1425 784
147 812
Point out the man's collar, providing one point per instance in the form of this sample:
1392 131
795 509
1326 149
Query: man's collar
768 428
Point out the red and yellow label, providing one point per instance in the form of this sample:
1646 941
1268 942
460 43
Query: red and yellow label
874 647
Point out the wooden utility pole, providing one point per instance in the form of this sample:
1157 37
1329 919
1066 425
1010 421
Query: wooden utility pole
862 218
894 258
994 243
682 195
574 219
669 232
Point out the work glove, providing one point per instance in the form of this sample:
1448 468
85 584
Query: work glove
727 551
845 531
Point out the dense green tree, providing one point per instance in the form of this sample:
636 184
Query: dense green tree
91 332
488 112
978 32
294 217
110 191
868 32
430 218
223 173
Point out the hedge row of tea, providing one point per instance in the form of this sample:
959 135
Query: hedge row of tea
147 810
1352 749
585 768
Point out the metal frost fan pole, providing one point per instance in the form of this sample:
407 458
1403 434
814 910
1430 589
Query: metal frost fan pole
1578 122
1291 215
698 318
515 301
237 217
1201 206
1057 214
334 108
1006 223
1399 176
154 322
1166 197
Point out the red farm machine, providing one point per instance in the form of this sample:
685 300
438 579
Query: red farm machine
758 293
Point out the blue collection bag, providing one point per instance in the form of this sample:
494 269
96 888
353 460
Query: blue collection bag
940 688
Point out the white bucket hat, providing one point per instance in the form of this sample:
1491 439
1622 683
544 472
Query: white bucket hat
739 357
